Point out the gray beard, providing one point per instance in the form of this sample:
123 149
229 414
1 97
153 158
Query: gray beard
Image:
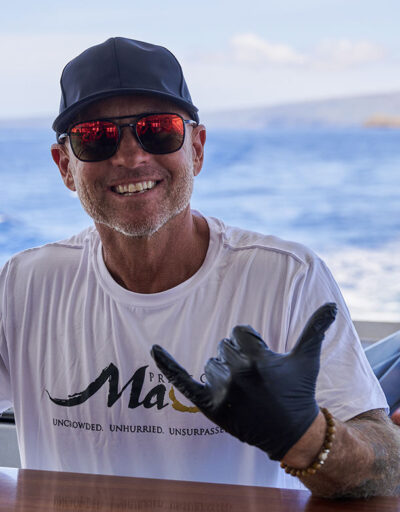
144 229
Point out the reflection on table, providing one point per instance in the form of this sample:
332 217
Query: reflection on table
29 490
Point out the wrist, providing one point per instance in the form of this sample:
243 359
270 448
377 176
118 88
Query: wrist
323 453
304 452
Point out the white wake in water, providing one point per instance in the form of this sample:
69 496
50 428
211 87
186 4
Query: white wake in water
369 280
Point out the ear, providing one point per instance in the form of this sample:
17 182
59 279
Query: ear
60 155
198 142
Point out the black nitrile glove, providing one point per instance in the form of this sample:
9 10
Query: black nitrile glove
263 398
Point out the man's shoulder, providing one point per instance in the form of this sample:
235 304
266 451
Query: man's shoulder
239 239
54 253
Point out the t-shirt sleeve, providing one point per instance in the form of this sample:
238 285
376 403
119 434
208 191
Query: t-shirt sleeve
5 383
346 384
5 386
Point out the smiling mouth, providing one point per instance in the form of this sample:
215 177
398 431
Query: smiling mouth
134 188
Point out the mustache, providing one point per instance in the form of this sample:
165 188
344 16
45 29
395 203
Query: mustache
141 172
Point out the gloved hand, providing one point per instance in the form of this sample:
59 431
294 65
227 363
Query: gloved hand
263 398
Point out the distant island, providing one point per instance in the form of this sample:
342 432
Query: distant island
370 111
377 111
382 122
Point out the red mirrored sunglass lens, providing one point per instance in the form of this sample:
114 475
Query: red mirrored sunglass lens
161 133
94 140
161 123
95 130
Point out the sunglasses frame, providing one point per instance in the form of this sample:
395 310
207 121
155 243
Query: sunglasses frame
61 137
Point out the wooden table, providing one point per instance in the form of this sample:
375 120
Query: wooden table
43 491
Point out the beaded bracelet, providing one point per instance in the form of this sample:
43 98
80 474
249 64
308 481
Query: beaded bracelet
323 454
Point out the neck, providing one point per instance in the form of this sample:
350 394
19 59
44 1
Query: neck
160 262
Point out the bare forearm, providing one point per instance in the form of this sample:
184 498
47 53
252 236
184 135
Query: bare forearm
364 459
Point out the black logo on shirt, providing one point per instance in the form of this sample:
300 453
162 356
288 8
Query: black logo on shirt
154 398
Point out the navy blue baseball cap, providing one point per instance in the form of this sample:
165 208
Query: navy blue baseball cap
116 67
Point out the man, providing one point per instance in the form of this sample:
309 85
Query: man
79 317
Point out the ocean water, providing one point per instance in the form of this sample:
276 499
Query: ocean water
335 190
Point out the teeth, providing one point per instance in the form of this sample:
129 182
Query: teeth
134 187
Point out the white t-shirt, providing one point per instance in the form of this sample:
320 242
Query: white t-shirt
75 355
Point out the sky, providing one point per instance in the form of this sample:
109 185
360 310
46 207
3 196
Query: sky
234 54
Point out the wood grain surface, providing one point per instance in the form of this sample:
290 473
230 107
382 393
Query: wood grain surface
43 491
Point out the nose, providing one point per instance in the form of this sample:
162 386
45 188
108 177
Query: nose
129 152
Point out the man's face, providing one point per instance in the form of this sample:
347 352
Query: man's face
108 189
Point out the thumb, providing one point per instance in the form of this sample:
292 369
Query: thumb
314 331
177 375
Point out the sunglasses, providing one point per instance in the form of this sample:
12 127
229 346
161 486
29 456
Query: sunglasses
98 139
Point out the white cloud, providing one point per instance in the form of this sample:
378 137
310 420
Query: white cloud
252 49
346 53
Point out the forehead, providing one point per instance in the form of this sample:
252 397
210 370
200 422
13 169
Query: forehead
126 105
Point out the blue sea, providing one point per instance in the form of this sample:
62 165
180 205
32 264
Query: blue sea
335 190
